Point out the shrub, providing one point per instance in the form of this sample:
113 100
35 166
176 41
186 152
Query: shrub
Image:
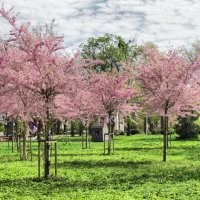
134 131
186 128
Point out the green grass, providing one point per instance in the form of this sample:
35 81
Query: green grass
135 171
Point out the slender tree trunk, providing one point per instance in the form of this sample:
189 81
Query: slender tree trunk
58 127
128 129
20 144
47 147
145 125
38 131
20 148
72 129
65 128
25 133
151 125
162 123
109 132
17 132
167 133
80 129
47 159
165 139
86 134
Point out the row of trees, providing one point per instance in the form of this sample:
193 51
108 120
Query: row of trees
38 80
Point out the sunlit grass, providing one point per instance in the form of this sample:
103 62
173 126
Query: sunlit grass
135 171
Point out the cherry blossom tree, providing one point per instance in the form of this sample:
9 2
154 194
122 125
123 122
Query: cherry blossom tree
16 100
169 86
79 103
21 103
114 95
46 71
88 110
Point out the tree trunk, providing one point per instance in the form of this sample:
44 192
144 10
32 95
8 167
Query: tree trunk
38 131
80 129
58 127
47 147
109 136
20 144
47 159
167 133
40 128
20 148
86 134
65 128
17 132
25 133
72 129
165 139
145 125
128 129
162 123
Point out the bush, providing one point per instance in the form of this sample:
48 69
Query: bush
134 131
186 128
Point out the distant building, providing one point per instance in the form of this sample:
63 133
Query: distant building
3 118
99 128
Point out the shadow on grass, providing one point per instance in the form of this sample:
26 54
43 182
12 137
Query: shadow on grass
78 154
114 179
106 163
137 148
188 152
147 139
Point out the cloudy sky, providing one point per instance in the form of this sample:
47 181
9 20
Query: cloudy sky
164 22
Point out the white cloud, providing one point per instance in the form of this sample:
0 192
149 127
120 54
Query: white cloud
164 22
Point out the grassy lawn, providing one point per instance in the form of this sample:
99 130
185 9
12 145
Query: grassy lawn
135 171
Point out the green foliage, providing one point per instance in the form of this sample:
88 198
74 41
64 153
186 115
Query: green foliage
197 122
132 124
111 49
153 123
135 171
187 127
19 126
148 45
2 127
131 120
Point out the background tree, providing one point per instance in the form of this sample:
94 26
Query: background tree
186 127
142 57
168 82
111 49
113 93
82 105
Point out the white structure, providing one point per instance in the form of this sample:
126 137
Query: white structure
2 118
99 128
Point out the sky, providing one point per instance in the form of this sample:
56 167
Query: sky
164 22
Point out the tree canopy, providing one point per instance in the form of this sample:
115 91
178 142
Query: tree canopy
111 49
